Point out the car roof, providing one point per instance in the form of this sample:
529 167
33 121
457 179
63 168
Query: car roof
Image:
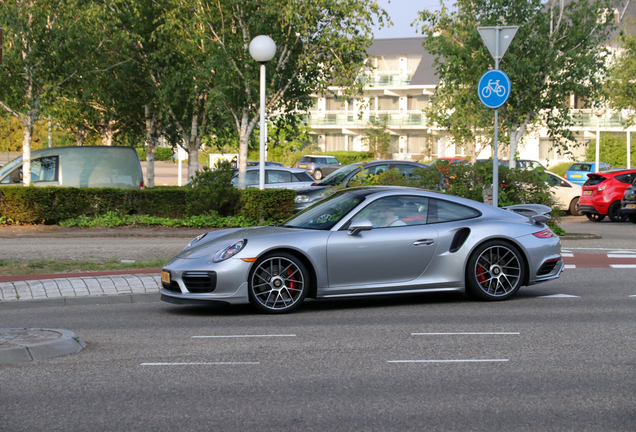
275 168
318 156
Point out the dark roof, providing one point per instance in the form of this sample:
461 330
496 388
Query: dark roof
425 73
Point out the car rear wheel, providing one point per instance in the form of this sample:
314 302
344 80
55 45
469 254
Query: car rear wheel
614 212
495 271
595 217
318 174
278 283
574 207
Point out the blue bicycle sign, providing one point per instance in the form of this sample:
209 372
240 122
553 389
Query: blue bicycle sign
494 88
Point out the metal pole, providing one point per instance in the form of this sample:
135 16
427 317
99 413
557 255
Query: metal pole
598 142
261 164
629 150
495 157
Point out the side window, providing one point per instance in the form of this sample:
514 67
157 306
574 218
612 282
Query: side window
406 170
302 177
235 180
626 178
395 211
553 180
251 178
274 176
446 211
42 169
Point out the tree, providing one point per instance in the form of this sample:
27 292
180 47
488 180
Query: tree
621 86
377 138
320 43
557 52
46 44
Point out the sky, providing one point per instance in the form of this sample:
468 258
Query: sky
403 13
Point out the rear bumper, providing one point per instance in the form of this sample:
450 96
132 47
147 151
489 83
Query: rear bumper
589 209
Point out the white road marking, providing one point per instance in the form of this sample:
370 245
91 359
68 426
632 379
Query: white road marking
448 361
465 333
558 296
570 266
200 363
629 266
603 249
615 255
246 336
567 255
620 251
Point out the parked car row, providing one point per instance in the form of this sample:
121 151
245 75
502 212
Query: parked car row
603 195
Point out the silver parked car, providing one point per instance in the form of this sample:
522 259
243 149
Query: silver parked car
276 178
369 241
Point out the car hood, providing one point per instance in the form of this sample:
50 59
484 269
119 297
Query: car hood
310 190
220 239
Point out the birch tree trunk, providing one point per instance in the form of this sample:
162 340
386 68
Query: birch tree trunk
150 144
27 124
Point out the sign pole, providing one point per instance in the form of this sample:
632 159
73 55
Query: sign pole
497 42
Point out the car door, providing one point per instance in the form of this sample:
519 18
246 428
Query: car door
387 255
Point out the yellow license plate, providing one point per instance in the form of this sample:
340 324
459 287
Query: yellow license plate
587 193
577 175
631 206
165 277
303 166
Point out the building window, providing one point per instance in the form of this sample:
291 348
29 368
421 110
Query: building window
334 142
418 102
388 103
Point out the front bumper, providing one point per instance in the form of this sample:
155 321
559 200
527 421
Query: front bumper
225 282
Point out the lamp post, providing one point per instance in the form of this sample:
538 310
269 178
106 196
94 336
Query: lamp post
262 49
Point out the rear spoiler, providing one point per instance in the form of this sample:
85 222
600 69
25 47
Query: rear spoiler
537 213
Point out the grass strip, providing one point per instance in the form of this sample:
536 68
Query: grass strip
10 268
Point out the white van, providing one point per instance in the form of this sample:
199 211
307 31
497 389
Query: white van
89 166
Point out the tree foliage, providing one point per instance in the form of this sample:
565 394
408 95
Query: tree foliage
557 52
621 85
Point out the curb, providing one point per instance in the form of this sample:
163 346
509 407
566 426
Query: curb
81 301
30 277
28 344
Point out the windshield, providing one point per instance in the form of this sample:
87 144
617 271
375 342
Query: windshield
337 177
326 213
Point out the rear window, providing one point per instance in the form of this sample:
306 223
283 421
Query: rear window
303 177
580 167
593 180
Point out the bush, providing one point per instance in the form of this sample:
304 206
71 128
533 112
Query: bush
212 190
613 149
267 204
161 153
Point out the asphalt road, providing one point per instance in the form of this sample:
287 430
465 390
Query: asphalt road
558 357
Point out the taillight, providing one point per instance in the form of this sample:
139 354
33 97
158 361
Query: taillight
602 186
546 233
141 184
565 176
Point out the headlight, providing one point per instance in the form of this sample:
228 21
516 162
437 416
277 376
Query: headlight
229 251
194 241
301 199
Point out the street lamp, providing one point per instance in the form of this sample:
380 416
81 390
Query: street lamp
262 49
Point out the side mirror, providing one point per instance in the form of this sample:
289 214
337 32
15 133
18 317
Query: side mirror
360 225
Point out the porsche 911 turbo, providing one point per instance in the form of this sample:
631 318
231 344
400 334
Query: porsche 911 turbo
369 241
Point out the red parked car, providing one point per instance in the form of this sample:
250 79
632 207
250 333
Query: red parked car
602 194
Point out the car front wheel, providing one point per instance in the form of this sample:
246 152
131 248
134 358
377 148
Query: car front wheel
614 212
495 271
318 175
278 283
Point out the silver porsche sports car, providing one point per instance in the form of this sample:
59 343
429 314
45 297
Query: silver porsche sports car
369 241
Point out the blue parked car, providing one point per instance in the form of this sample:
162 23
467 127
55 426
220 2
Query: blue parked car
578 171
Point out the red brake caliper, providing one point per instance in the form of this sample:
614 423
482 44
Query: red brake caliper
480 274
292 285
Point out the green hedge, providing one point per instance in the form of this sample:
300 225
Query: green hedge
51 205
161 153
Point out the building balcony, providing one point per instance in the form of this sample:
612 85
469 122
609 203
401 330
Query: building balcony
351 119
386 79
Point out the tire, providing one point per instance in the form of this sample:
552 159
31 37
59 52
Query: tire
318 175
278 283
495 271
595 217
574 207
632 217
614 212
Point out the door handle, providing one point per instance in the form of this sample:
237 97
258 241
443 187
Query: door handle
426 242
